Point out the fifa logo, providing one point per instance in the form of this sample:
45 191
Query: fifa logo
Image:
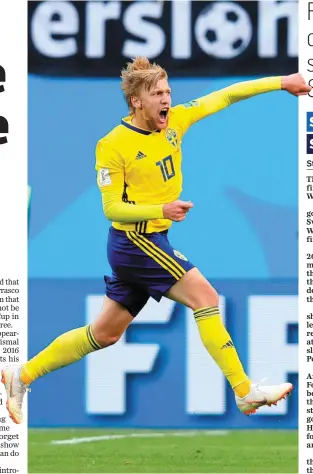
124 360
171 136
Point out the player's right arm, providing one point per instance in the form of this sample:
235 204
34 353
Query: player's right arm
111 178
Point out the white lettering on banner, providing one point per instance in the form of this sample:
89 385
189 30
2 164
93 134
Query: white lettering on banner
107 369
230 38
97 14
181 31
270 12
203 374
269 353
268 319
44 25
153 35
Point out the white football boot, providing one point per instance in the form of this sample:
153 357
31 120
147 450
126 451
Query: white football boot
15 390
260 396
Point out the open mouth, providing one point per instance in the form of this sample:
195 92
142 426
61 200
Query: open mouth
163 114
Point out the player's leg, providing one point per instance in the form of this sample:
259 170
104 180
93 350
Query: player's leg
172 275
121 305
165 271
194 291
66 349
73 345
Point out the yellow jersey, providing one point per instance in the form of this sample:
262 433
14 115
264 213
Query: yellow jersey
138 171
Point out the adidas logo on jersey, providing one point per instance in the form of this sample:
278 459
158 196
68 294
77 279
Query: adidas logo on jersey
140 155
228 344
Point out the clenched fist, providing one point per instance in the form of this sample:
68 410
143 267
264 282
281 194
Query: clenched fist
176 211
295 84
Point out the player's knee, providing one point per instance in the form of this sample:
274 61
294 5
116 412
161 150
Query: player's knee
206 297
110 340
106 340
104 336
215 297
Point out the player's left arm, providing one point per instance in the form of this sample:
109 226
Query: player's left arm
219 100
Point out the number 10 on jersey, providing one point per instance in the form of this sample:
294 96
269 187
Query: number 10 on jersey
167 168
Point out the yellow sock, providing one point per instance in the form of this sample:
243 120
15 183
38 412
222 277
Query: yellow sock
243 388
218 343
64 350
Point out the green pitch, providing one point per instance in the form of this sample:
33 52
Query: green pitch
136 451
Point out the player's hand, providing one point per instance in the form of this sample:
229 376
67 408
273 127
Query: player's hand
295 84
176 211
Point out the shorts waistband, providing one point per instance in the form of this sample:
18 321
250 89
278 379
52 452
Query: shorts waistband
123 232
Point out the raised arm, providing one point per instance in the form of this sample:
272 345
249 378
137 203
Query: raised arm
209 104
294 84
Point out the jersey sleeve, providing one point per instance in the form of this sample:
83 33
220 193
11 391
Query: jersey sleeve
191 112
110 169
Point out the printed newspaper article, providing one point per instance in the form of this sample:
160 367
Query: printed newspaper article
13 220
305 306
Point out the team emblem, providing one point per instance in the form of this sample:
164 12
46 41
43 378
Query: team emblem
191 103
180 255
171 136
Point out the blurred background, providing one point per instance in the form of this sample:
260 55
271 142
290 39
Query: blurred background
240 170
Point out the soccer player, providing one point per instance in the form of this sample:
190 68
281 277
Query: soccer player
139 175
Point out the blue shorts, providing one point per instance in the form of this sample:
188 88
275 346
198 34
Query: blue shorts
143 265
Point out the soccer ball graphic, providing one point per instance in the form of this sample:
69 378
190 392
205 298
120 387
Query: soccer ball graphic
223 30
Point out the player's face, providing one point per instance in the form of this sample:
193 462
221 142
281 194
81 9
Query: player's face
156 103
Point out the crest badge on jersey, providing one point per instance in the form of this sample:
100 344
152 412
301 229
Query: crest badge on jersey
180 255
171 136
191 103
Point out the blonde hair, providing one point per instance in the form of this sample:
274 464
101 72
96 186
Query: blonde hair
137 74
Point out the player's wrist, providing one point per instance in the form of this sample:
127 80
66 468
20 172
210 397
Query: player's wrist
163 210
284 82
